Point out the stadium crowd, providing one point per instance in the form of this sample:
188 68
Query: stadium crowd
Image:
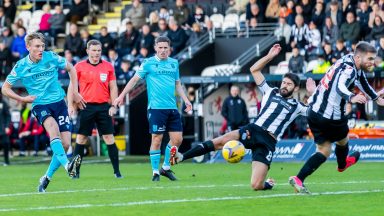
319 30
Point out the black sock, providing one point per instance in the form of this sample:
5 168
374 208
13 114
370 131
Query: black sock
341 153
79 150
311 165
198 150
267 186
114 156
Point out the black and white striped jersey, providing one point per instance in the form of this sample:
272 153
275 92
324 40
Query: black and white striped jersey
276 111
334 89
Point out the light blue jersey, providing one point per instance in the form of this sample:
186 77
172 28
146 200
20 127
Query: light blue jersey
41 78
161 77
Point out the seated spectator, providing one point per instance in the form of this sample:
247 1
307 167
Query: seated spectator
272 11
198 17
376 11
296 62
181 12
143 54
340 51
255 12
6 37
4 21
73 42
85 37
114 59
57 22
330 32
106 40
314 37
318 15
283 30
195 35
380 50
335 14
162 28
363 18
145 40
18 47
125 72
377 30
154 21
5 61
178 37
328 52
251 29
127 40
63 74
136 14
44 26
77 11
286 11
347 7
163 13
18 24
10 9
350 31
299 34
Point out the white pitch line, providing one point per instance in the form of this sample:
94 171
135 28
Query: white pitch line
198 199
175 187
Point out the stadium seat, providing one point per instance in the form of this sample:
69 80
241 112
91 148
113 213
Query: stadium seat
282 68
35 21
231 21
25 16
123 25
114 25
217 20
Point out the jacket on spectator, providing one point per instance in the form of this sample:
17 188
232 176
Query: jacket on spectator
136 16
5 116
178 38
350 32
234 110
57 21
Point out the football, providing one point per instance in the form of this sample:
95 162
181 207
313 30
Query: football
233 151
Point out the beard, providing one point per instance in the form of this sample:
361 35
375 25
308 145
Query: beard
285 93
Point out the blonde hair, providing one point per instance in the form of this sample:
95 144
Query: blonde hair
34 35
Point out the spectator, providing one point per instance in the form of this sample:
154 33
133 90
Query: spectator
63 74
314 36
18 47
136 14
350 31
44 26
288 12
125 72
4 21
57 22
318 15
127 40
154 21
85 37
6 37
322 65
234 110
283 30
340 51
260 10
296 62
162 29
335 14
299 11
198 17
346 8
143 54
163 13
195 34
299 34
330 32
307 8
377 30
376 11
178 37
5 120
363 18
145 40
328 52
232 8
18 24
380 50
73 41
5 61
255 12
114 59
77 11
10 9
106 40
181 12
272 11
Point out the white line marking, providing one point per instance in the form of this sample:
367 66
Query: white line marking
150 202
176 187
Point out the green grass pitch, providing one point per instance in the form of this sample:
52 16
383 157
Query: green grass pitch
202 189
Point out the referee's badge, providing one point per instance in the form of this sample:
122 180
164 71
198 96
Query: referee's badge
103 77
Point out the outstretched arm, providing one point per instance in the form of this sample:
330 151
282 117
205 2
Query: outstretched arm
6 89
260 64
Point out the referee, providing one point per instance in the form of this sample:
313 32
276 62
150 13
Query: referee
97 83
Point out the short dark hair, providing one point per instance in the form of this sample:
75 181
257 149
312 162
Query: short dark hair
294 77
162 39
365 47
93 43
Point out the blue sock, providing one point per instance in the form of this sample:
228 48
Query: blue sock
59 152
167 156
53 166
155 160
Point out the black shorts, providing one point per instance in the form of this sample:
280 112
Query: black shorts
95 113
259 141
324 129
57 110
